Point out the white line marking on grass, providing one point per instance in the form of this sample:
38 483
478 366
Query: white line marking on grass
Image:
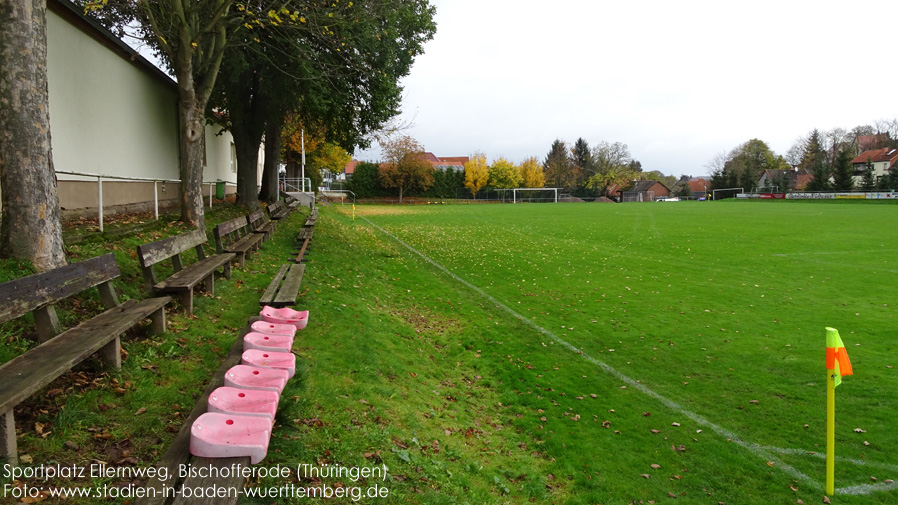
820 455
753 448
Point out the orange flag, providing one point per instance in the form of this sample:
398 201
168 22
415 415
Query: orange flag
836 356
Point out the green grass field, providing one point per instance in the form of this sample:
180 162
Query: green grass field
662 350
571 353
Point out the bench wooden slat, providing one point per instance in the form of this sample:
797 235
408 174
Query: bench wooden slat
179 451
248 243
28 373
306 233
290 288
259 223
235 236
195 273
21 296
186 277
272 289
278 211
154 252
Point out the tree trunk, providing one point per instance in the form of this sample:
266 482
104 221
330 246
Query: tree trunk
247 146
190 192
269 191
31 227
247 124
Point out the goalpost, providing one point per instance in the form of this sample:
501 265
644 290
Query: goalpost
714 192
514 194
638 196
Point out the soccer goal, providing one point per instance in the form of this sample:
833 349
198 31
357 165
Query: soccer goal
720 194
534 195
638 196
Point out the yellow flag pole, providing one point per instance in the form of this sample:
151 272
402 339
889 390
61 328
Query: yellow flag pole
353 212
830 431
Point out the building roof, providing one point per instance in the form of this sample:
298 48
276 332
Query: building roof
878 155
867 142
350 167
698 185
798 178
645 186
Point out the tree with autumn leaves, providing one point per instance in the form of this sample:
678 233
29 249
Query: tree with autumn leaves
532 174
405 166
477 174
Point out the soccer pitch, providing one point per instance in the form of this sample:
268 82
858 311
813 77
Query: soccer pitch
680 346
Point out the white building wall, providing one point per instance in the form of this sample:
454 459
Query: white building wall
107 115
113 116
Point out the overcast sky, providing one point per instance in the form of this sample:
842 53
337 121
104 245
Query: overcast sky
677 82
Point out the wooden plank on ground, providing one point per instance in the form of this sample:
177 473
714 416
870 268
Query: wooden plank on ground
290 288
268 296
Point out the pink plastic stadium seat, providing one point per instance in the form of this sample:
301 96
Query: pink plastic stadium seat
263 342
251 377
298 318
267 359
217 435
288 330
245 402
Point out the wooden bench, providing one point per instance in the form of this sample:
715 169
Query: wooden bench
184 279
313 217
260 223
291 202
236 237
165 492
284 288
305 233
61 349
278 211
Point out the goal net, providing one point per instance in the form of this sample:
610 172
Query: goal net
638 196
720 194
534 195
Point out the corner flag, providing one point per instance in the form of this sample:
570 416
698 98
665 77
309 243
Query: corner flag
837 365
836 356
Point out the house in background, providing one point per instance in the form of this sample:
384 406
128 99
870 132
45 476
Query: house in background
456 163
797 180
883 161
348 170
872 142
644 191
699 187
113 113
